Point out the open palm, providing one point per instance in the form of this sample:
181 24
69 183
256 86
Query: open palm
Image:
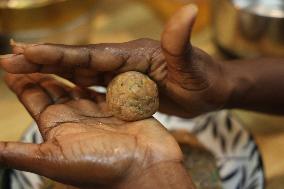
83 144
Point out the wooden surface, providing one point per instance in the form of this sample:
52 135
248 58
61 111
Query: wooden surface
13 117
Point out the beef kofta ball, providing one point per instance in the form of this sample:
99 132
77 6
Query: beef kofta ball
132 96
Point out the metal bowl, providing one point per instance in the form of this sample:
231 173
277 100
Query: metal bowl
57 21
249 28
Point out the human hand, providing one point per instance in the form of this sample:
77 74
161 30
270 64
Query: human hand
84 145
190 82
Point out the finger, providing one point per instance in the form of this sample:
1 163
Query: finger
100 57
37 92
18 47
36 158
18 64
57 91
32 96
85 77
86 80
101 161
176 35
18 155
81 76
99 98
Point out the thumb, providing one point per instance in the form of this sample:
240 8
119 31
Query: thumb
44 159
18 155
28 157
176 35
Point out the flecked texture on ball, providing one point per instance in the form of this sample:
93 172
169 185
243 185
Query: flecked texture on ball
132 96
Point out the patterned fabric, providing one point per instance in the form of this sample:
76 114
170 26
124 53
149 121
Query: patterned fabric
2 172
236 154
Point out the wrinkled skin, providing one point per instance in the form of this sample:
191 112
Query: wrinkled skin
189 80
83 145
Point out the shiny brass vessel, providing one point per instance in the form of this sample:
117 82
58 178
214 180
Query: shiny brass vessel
60 21
249 28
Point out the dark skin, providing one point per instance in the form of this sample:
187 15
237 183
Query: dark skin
256 84
84 145
187 76
190 83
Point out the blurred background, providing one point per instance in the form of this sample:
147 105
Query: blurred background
225 29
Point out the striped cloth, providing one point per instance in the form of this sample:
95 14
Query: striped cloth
237 156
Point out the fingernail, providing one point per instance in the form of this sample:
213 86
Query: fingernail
194 8
12 42
22 44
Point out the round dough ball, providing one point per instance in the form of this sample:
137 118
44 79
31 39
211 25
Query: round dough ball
132 96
